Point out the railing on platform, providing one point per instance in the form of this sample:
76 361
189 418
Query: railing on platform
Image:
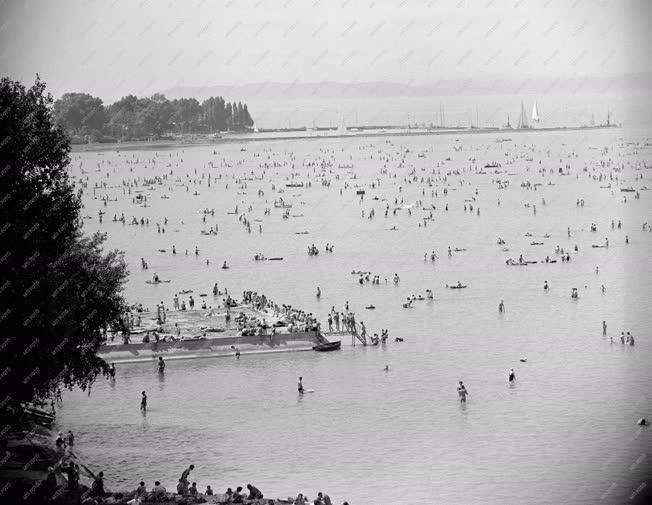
355 332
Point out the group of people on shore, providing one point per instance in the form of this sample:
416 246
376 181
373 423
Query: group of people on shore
249 494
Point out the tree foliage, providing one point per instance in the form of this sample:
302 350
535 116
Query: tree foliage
58 288
85 117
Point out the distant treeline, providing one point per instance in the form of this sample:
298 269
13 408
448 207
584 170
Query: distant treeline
86 118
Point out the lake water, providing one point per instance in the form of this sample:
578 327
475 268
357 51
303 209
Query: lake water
564 433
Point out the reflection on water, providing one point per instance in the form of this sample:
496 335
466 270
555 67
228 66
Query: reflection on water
402 435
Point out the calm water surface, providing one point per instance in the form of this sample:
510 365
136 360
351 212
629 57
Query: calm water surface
563 434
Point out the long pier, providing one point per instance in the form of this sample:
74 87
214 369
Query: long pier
322 134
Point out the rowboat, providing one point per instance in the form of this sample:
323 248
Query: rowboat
328 346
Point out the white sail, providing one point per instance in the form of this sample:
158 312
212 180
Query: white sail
535 113
522 120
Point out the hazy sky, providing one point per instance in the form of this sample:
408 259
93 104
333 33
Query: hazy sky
111 48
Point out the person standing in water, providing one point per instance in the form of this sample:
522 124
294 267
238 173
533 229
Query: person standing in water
462 392
143 402
512 376
300 385
161 365
604 327
501 306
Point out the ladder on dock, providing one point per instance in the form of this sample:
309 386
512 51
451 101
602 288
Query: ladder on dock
355 334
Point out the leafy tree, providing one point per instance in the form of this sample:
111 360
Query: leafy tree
246 117
80 113
135 118
186 115
155 115
59 289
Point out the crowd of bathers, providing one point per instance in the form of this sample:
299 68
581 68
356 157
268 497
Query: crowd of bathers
185 492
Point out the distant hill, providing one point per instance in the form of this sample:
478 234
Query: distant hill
633 82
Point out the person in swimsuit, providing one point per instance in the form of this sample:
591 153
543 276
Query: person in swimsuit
161 365
462 392
143 402
300 386
512 376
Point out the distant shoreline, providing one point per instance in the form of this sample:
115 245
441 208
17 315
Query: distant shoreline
319 134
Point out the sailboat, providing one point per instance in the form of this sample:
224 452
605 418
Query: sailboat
522 120
342 128
535 113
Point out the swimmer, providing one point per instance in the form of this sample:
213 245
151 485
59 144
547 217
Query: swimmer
386 368
318 292
462 392
512 375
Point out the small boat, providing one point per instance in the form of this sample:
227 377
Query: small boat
360 192
370 307
158 282
294 185
627 190
275 259
458 287
328 346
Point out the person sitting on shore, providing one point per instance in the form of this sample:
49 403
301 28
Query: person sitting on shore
193 489
238 496
209 491
158 491
141 490
228 496
324 498
254 492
